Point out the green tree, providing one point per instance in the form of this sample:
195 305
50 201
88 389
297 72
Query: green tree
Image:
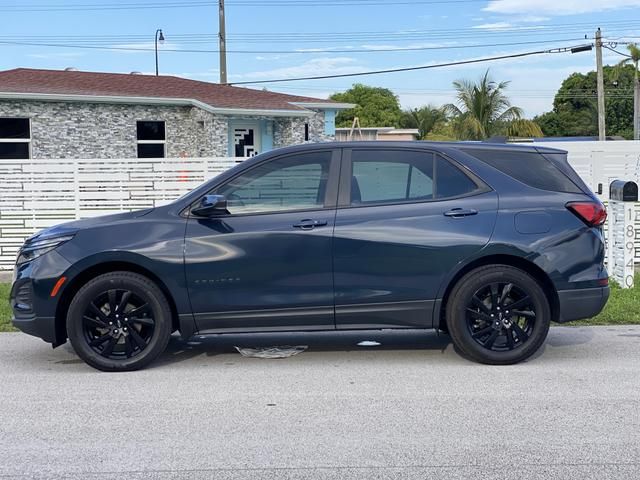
575 111
523 128
425 119
375 107
483 110
633 59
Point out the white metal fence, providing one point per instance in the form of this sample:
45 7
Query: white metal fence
600 163
35 194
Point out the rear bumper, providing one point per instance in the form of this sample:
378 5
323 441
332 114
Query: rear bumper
581 303
42 327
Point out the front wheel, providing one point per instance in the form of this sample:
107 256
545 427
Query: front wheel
119 321
498 315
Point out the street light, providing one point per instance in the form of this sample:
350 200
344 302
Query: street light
159 38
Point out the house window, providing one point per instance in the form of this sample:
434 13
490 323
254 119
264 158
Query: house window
15 138
151 139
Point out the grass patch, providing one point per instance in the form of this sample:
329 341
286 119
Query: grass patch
623 308
5 309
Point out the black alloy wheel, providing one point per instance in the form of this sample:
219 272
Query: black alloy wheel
498 314
501 316
119 321
118 324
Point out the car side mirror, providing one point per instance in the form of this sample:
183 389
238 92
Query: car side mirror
211 205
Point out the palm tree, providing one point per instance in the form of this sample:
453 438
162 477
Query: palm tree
524 128
634 58
424 119
483 110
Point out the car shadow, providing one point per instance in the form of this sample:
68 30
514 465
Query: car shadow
180 350
421 341
568 336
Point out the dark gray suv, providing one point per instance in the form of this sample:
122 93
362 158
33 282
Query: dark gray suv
488 242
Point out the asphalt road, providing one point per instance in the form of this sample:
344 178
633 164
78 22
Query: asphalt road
412 408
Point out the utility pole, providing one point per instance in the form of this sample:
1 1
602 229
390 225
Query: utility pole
636 105
223 44
602 135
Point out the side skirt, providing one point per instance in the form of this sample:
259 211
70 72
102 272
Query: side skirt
409 314
370 316
271 320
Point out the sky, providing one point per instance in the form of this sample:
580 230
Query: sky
276 39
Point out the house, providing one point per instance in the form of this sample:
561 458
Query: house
74 114
377 133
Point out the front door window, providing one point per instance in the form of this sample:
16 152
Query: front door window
246 141
291 183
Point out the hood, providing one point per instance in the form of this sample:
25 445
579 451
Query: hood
74 226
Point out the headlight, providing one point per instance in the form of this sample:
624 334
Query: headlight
37 248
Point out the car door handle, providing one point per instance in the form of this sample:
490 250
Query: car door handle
309 224
460 212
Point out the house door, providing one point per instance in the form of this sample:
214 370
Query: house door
246 139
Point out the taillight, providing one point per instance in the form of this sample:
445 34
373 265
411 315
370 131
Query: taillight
592 213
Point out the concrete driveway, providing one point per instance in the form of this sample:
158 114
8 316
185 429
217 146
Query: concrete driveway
411 408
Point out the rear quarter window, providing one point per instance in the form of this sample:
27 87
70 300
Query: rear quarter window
530 168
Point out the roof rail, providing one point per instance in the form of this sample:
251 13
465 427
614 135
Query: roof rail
496 139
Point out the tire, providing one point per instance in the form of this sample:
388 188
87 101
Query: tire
486 328
119 321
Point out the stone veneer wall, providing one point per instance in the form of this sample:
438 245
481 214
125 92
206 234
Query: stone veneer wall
290 131
101 130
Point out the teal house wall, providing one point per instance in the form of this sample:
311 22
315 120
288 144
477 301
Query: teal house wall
329 122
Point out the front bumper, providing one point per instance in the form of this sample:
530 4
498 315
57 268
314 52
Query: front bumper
34 309
25 317
582 303
42 327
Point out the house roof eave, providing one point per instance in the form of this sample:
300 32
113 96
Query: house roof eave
324 106
116 99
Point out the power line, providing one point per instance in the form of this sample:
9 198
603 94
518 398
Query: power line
352 33
407 69
326 37
307 52
616 51
64 7
541 91
615 92
476 29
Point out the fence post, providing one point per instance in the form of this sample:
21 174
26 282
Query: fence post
622 232
76 188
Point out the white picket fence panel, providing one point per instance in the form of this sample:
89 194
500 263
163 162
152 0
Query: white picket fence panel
35 194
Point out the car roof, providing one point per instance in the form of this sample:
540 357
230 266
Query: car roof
422 144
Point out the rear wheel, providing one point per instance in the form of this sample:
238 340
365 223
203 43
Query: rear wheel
498 315
119 321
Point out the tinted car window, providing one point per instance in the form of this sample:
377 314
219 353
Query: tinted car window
383 176
392 180
530 168
451 182
292 183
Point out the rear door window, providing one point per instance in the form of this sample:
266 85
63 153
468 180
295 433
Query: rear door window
391 176
530 168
